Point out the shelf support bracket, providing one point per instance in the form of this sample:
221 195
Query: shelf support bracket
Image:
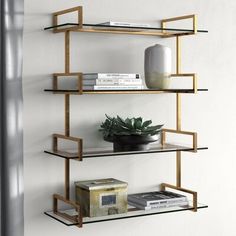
78 219
78 76
78 141
192 75
78 10
193 134
179 18
193 193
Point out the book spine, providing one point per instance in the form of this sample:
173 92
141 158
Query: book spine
169 201
118 82
112 82
111 76
116 23
117 87
128 24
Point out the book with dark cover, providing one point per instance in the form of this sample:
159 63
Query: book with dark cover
156 197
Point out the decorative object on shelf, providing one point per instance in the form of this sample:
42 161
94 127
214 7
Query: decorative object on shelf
157 67
157 200
101 197
131 134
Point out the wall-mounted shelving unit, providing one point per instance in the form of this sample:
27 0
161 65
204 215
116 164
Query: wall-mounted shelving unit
74 216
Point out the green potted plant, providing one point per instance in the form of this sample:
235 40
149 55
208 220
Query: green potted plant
130 134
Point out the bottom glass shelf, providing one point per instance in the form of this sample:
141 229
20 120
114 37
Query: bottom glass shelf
132 212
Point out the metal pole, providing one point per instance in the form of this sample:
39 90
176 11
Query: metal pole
11 130
178 111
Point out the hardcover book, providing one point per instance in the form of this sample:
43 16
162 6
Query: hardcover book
115 23
158 206
112 82
156 198
113 87
111 75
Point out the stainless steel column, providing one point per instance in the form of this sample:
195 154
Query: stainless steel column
11 137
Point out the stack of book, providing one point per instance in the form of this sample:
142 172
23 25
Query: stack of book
112 81
156 200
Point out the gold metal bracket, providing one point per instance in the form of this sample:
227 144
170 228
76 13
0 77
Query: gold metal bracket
194 79
79 81
79 11
179 18
193 134
79 142
193 193
77 219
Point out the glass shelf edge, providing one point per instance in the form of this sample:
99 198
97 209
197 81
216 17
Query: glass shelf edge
144 91
110 153
126 27
141 213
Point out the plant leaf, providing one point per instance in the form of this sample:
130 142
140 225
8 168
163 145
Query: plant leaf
146 123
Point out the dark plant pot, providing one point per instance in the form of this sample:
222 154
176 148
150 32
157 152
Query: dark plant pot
123 143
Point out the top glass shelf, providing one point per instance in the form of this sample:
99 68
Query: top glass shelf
99 28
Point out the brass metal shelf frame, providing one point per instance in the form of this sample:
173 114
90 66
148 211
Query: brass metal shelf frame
163 31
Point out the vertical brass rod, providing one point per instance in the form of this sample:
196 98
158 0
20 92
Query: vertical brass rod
178 169
67 52
178 111
67 133
178 55
67 114
67 179
163 25
195 24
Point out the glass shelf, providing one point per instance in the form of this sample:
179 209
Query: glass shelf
142 91
102 152
132 212
99 28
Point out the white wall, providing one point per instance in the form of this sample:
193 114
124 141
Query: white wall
211 114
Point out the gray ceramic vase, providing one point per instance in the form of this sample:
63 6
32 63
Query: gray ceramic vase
157 67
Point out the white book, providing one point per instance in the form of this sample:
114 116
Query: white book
161 206
112 82
117 23
113 87
111 75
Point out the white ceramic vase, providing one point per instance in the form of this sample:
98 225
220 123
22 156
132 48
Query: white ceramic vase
158 67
